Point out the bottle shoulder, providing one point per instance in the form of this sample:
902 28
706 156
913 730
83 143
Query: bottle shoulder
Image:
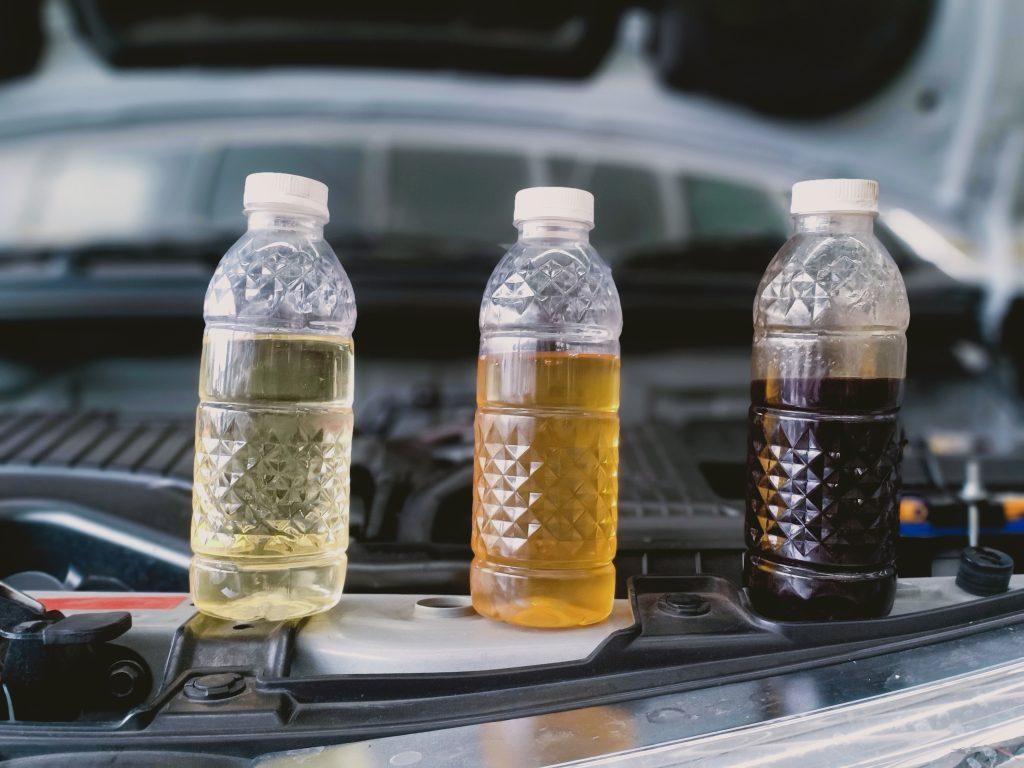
552 286
281 280
832 282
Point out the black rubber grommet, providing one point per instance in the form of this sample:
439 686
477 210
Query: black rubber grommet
984 571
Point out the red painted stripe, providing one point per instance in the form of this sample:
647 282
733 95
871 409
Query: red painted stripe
112 602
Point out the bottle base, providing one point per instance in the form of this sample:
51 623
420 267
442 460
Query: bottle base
549 599
794 593
273 589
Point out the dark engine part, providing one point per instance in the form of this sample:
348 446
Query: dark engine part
55 667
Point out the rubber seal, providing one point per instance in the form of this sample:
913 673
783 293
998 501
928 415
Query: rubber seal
984 571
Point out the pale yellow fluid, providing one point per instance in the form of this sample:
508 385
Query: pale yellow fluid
270 499
545 488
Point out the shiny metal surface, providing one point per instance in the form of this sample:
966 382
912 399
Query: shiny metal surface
973 493
925 594
908 708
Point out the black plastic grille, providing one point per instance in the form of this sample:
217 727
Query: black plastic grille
97 441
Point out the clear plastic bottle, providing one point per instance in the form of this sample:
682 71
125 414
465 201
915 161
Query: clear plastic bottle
547 425
274 425
825 443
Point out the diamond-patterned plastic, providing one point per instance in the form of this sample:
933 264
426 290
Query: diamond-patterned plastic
544 286
271 482
281 279
547 433
823 490
546 487
271 475
832 282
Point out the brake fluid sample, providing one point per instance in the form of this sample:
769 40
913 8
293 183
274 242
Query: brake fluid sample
274 424
547 426
825 443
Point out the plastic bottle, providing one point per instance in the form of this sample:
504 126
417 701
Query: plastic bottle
274 425
825 443
547 426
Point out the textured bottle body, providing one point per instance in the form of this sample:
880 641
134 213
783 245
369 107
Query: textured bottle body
271 489
822 522
546 486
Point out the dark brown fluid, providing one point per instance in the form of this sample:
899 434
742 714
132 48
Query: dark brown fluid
823 461
836 395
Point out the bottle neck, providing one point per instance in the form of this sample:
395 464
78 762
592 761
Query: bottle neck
834 223
554 229
295 222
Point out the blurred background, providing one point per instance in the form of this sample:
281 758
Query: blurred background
127 129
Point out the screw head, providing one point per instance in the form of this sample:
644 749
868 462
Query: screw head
683 604
123 677
214 687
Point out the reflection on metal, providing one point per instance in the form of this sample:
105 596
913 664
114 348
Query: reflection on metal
909 708
972 493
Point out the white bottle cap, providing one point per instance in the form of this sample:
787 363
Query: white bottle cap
554 203
285 192
835 196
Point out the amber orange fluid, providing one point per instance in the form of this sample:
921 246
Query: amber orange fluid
546 487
